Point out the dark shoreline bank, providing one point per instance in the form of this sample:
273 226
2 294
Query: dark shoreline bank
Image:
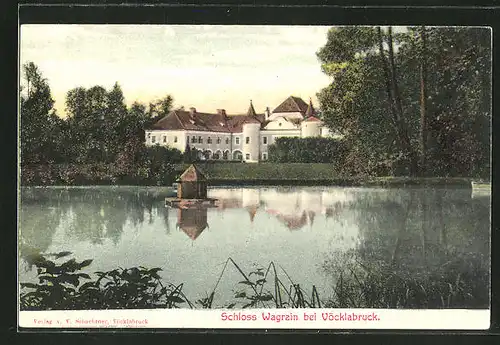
224 174
350 182
386 182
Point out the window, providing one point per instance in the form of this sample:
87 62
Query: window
164 138
264 140
209 140
264 156
193 139
153 139
247 156
200 140
218 140
187 139
175 139
237 140
247 140
227 141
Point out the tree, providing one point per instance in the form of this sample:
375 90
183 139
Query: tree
188 156
159 109
100 123
423 103
115 121
409 101
37 118
87 110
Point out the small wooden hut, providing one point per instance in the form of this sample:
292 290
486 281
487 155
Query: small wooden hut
192 184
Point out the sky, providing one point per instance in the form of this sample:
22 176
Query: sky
208 67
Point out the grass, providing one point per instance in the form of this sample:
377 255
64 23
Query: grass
221 173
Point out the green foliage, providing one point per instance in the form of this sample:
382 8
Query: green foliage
60 288
100 125
307 150
39 123
268 289
375 284
159 162
150 166
159 109
458 64
100 142
358 285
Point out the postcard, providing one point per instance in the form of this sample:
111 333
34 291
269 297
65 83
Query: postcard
271 177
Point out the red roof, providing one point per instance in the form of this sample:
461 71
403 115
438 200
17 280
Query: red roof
192 173
312 118
249 119
184 120
290 105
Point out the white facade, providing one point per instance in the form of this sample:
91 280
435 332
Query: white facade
251 144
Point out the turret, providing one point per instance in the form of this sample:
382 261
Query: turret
311 127
251 140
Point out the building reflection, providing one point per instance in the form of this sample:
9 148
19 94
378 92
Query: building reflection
193 221
293 222
293 208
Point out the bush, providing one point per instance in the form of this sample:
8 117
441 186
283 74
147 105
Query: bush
307 150
136 165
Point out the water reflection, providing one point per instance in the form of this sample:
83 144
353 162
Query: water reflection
395 217
316 233
192 221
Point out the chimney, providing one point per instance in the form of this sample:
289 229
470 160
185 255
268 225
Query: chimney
192 111
268 113
221 112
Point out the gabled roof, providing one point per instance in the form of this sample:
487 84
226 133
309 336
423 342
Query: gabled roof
291 104
192 173
171 121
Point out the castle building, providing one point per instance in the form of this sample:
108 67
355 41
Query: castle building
244 137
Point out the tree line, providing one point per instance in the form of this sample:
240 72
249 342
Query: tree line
414 102
99 130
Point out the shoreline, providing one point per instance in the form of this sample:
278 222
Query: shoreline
386 182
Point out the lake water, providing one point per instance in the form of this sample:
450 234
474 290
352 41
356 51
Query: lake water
319 235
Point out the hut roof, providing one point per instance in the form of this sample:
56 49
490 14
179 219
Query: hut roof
192 174
193 231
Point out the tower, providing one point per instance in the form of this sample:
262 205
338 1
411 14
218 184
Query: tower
251 136
251 140
311 126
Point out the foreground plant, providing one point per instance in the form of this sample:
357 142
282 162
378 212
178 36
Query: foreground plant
60 287
266 288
